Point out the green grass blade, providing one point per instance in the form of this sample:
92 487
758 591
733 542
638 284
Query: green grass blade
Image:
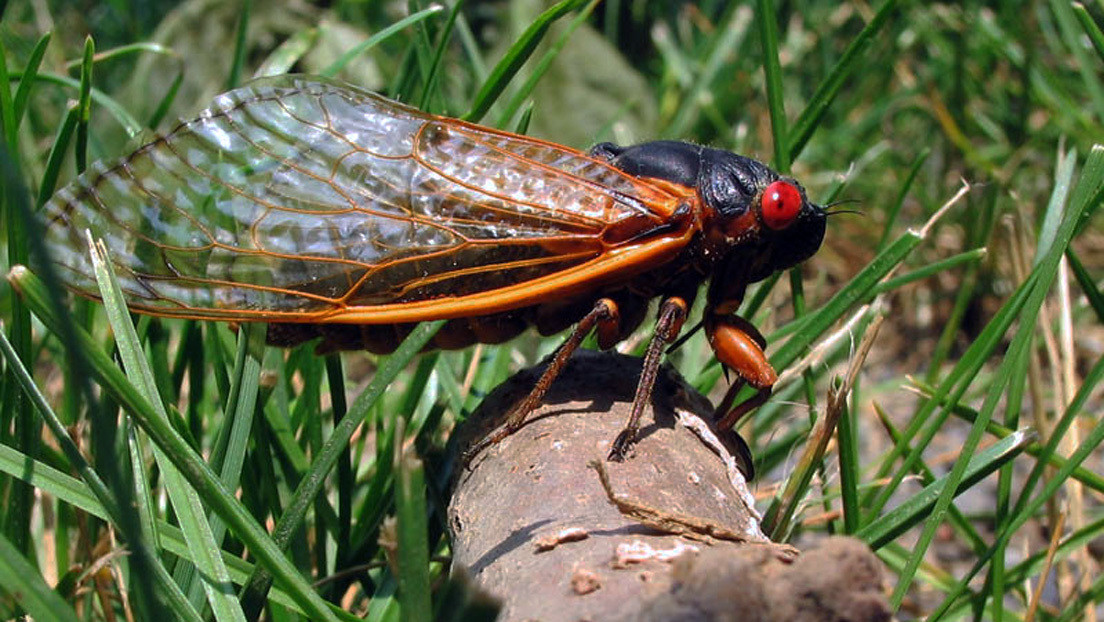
917 508
129 124
16 415
284 438
1084 476
473 53
84 105
1026 509
197 473
291 51
451 386
906 187
20 220
1090 27
27 79
444 36
960 522
50 480
1088 285
1072 543
1052 216
954 261
23 590
949 392
335 446
79 495
237 58
772 72
8 121
826 92
119 52
542 66
1033 564
189 507
857 290
163 106
93 495
335 377
515 57
1085 598
422 50
413 552
233 441
524 118
143 491
1085 199
241 404
380 36
849 459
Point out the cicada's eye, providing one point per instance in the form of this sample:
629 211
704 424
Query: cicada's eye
780 205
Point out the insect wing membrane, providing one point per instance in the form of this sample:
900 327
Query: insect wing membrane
295 198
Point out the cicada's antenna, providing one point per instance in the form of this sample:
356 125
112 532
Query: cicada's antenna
830 212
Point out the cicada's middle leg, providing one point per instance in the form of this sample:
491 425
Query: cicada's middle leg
672 315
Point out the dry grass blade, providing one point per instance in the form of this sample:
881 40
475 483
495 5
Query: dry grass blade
778 523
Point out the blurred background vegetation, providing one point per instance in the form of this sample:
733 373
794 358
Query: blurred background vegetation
893 105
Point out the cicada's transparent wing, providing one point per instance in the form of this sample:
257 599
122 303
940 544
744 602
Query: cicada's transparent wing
295 198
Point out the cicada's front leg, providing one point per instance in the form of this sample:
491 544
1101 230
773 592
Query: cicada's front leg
739 347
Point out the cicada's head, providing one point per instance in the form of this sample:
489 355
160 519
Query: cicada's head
761 218
755 221
760 223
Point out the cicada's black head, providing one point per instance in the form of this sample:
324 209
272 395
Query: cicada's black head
766 216
760 220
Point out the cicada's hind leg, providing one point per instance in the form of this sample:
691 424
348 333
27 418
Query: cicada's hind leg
739 346
672 315
606 318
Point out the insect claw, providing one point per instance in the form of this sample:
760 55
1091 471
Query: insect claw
622 446
468 459
493 438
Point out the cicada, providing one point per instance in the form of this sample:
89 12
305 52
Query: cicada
336 214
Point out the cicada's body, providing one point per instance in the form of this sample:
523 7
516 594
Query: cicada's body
330 211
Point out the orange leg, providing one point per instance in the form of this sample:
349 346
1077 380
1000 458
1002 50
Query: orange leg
672 314
739 347
605 317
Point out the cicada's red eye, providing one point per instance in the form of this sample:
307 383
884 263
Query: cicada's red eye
781 204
